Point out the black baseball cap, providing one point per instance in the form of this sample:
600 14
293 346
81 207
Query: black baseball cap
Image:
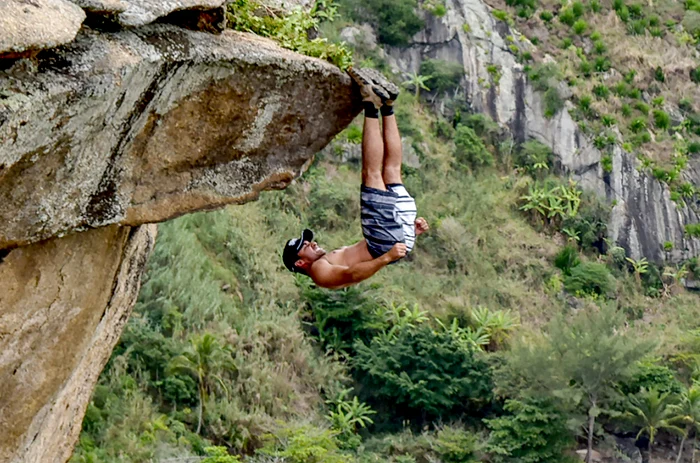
292 248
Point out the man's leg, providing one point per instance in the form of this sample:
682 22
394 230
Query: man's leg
372 150
393 152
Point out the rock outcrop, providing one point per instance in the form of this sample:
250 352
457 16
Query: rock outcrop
63 304
643 216
35 25
141 126
103 136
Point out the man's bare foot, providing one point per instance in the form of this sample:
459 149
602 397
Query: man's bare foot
374 87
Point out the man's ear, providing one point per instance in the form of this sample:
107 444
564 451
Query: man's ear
301 263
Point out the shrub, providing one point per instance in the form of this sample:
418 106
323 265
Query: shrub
608 120
423 373
599 47
637 27
634 93
566 42
304 444
642 107
580 26
578 9
567 259
668 246
585 67
567 16
693 230
661 119
601 91
636 10
455 445
596 7
445 76
691 23
606 163
395 20
626 110
694 147
649 375
470 149
659 74
553 102
658 101
695 75
590 223
602 64
590 278
544 76
624 14
638 124
532 431
546 15
584 104
500 15
533 155
685 105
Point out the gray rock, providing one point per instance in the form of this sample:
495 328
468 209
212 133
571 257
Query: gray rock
37 24
627 447
63 323
102 6
360 36
142 12
139 127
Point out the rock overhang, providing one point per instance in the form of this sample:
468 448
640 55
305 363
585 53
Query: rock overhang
140 126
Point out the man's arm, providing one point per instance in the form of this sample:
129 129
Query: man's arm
337 276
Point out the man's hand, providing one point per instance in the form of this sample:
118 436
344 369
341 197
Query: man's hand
397 252
421 226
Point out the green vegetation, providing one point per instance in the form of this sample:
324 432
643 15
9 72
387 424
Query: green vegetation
515 331
289 30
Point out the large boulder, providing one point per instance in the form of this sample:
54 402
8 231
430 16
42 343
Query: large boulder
27 25
141 126
63 304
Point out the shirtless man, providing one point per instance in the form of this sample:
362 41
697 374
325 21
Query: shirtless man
388 214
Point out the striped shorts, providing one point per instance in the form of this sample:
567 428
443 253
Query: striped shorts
388 217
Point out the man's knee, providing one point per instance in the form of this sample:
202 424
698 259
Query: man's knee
373 179
391 175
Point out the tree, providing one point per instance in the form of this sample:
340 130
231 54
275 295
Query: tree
533 431
652 410
579 362
204 360
423 374
418 82
687 410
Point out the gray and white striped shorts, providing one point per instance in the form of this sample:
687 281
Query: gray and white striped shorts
388 217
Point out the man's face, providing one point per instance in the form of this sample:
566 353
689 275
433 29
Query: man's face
310 252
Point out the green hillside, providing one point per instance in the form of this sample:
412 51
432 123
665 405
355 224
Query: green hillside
513 333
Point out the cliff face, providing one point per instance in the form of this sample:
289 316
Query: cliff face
63 304
643 218
104 135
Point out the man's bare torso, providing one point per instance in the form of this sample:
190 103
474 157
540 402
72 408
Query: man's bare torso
347 256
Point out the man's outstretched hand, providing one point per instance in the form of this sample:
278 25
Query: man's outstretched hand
421 226
397 252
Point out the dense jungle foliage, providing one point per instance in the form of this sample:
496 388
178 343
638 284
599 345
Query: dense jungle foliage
515 332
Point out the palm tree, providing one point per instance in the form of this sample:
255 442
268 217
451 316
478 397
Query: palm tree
418 82
652 410
688 411
204 360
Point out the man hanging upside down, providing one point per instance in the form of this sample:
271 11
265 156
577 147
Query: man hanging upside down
388 215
